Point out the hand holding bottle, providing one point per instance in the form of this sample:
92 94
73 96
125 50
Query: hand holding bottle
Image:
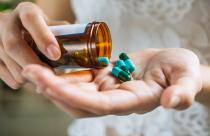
15 53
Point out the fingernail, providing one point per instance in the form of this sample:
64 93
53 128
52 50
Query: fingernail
53 52
175 101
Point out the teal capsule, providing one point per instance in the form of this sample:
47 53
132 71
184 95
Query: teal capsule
129 63
103 61
121 64
120 74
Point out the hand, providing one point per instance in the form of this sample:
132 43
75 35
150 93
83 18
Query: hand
168 77
15 53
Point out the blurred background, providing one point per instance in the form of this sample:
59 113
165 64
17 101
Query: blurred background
25 113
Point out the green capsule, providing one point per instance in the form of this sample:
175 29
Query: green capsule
123 56
121 64
129 63
120 74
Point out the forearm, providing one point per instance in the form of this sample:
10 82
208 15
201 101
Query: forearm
204 95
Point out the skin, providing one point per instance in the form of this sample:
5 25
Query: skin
15 53
168 77
204 95
172 78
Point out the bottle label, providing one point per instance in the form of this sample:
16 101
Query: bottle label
68 29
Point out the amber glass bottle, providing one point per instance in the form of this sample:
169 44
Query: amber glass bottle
81 45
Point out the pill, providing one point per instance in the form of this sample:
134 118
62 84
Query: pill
85 60
121 64
120 74
76 53
129 63
103 61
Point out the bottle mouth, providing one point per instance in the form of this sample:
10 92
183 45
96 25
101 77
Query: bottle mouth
102 42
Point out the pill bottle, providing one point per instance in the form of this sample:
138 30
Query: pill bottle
81 45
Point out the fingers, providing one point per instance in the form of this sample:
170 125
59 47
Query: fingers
177 71
12 66
19 50
129 98
7 77
105 80
181 94
62 89
35 23
148 94
73 112
15 52
184 80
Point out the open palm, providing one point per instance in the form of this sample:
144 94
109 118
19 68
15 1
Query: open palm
170 77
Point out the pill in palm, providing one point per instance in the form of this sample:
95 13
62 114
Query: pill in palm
131 66
121 64
120 74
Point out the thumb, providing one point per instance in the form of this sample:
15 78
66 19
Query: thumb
181 94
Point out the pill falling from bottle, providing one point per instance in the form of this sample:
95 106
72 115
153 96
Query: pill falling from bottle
104 61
